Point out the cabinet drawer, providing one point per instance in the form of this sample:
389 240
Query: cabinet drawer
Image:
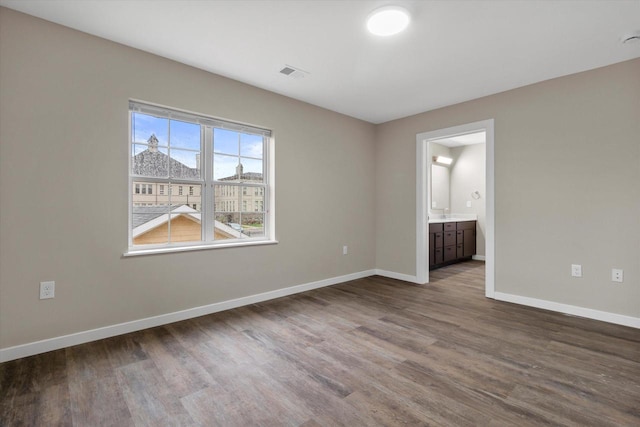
459 250
449 238
466 225
435 228
449 226
449 253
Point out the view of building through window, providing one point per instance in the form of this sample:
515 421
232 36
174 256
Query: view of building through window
187 175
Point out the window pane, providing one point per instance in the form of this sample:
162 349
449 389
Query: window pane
185 164
226 198
185 135
252 199
138 148
143 127
184 197
225 168
149 217
225 141
251 170
253 224
186 224
251 145
144 193
150 161
227 226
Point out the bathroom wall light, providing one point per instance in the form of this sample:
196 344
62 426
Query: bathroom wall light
388 20
443 160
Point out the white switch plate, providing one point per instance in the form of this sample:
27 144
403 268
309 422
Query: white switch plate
468 203
617 275
434 204
576 270
47 290
345 250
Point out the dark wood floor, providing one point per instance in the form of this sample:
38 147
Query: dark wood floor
369 352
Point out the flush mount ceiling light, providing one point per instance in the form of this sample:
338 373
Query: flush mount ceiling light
388 20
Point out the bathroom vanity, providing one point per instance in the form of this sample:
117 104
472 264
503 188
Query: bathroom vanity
451 241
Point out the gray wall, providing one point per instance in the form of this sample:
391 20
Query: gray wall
567 168
63 186
468 174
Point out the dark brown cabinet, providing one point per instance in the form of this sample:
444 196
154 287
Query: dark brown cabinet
451 242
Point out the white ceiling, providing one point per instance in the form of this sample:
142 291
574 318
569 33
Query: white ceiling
453 51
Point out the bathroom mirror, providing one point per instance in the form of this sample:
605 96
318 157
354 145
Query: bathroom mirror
440 180
439 187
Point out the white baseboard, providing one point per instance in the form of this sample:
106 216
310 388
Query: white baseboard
589 313
479 257
394 275
30 349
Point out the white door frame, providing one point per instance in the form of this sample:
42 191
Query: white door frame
423 199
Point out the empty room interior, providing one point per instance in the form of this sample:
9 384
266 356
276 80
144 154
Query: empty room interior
318 213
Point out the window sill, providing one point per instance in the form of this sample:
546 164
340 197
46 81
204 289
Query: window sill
154 251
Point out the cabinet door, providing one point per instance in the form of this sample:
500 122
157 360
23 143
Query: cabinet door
438 237
460 250
432 249
469 242
439 259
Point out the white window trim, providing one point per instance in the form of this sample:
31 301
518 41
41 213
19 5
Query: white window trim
207 185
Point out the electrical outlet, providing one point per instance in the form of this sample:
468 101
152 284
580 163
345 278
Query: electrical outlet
345 250
468 203
617 275
47 290
576 270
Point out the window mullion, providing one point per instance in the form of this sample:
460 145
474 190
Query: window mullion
266 184
208 213
169 218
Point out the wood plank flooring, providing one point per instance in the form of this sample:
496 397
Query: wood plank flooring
369 352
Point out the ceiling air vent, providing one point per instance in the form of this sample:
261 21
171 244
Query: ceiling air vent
293 72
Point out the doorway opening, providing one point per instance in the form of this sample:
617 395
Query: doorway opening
427 202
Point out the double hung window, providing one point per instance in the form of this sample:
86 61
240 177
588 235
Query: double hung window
212 178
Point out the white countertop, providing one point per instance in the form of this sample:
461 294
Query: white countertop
439 219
